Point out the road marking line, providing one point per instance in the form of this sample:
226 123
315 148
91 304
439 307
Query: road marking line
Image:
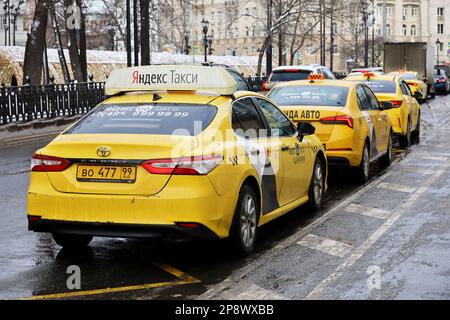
442 159
251 291
302 232
326 245
418 170
396 187
358 253
183 278
366 211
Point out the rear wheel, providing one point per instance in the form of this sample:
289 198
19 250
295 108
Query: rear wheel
72 241
316 186
386 160
416 135
362 171
405 141
244 228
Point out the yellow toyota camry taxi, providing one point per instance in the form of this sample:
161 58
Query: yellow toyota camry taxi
419 89
405 112
348 118
175 151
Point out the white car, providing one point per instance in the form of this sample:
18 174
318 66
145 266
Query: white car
292 73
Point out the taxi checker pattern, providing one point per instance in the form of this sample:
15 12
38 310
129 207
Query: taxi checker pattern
166 156
352 125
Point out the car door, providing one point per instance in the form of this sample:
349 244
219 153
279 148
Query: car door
293 153
371 118
380 121
252 133
414 107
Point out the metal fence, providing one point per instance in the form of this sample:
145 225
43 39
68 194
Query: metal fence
27 103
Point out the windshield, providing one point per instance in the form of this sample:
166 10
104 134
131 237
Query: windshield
380 86
310 95
158 119
291 75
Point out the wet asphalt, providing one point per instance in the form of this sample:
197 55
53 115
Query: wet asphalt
393 235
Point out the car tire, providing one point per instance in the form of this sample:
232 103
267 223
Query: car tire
405 141
416 133
386 160
362 171
245 221
316 186
72 241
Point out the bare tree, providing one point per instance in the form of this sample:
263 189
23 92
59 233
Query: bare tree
34 50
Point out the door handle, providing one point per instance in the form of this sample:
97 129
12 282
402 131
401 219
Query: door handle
284 148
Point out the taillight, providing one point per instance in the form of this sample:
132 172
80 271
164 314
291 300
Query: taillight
47 163
347 120
441 80
200 165
396 103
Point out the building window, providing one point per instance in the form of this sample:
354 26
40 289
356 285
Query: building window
441 46
405 11
389 11
335 49
334 27
440 28
440 12
413 30
415 11
388 29
405 30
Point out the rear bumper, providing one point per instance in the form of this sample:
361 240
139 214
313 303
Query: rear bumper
117 229
184 200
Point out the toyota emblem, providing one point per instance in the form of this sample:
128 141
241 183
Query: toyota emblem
104 152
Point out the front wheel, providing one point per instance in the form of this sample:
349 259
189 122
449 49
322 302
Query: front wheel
72 241
244 228
316 186
386 160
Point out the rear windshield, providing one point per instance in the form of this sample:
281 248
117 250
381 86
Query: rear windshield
310 95
380 86
408 76
283 76
158 119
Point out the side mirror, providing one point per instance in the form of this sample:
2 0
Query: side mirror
305 129
386 105
418 95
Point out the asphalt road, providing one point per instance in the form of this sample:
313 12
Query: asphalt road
388 239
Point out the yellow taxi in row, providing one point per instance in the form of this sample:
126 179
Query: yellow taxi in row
405 112
419 89
348 118
175 150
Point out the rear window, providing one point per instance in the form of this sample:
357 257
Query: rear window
380 86
408 76
158 119
283 76
310 95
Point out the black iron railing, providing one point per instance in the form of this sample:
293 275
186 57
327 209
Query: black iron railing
27 103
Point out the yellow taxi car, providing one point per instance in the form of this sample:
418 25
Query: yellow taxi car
348 118
419 89
405 114
175 151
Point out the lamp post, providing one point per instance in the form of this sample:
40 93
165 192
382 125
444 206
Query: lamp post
366 33
205 25
112 33
186 43
438 43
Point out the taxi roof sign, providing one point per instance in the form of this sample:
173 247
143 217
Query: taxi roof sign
315 76
170 78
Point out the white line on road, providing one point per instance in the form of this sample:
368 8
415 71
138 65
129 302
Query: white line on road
366 211
441 159
396 187
358 253
329 246
418 170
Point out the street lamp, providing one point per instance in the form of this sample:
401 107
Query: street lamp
205 25
186 43
438 43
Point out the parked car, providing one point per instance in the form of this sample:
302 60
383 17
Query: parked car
442 81
293 73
